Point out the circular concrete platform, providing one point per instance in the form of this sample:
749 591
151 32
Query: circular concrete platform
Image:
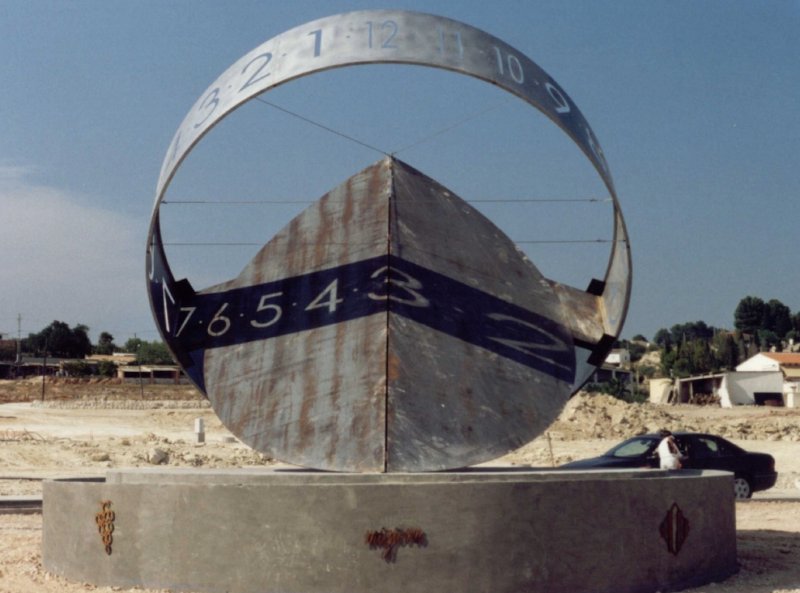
296 531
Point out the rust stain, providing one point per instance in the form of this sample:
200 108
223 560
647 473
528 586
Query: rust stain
306 426
389 540
347 210
393 367
324 235
336 382
105 524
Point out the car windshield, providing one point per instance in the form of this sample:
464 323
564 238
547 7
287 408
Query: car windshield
636 447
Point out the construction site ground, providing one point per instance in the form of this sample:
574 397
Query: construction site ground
71 428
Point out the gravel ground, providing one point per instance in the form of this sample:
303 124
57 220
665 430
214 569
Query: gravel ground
86 431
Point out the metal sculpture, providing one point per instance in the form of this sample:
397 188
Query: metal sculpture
390 326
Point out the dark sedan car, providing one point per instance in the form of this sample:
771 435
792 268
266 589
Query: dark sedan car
752 471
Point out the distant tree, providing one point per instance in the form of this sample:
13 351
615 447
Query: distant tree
105 344
777 318
727 351
149 352
749 314
638 338
691 330
132 345
768 339
57 339
647 371
796 322
668 358
636 350
78 368
682 365
8 350
702 360
107 368
690 357
663 338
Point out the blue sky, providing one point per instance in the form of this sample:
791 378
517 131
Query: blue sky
694 103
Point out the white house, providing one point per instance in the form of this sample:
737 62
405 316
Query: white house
619 357
785 365
767 377
750 387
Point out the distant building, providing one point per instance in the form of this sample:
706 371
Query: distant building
619 357
615 367
118 358
165 374
767 378
784 370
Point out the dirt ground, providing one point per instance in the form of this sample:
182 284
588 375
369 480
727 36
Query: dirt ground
83 429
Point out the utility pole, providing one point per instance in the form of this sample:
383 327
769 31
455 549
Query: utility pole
19 339
44 368
139 360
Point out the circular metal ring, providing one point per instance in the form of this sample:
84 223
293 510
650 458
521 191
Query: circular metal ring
394 37
399 37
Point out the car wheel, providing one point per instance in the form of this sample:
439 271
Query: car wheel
741 488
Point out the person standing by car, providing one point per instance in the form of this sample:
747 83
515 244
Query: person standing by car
668 453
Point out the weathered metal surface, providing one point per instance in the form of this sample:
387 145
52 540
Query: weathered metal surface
426 355
302 365
485 364
315 396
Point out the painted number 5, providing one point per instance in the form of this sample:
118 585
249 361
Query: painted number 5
263 305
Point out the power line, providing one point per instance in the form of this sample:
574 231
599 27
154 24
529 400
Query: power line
322 126
253 244
475 201
237 202
446 129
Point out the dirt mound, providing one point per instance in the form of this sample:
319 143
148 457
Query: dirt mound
600 416
595 415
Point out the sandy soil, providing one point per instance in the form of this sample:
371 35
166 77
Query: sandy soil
84 429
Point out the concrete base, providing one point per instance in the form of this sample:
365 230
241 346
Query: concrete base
485 530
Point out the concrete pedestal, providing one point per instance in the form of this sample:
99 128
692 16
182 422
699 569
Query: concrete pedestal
494 531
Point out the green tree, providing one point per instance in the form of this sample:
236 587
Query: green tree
690 357
668 358
107 368
78 368
149 352
636 350
767 339
105 344
691 330
749 314
663 338
727 351
682 366
8 350
132 345
777 318
57 339
702 361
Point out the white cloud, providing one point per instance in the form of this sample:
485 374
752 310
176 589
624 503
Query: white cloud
66 260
